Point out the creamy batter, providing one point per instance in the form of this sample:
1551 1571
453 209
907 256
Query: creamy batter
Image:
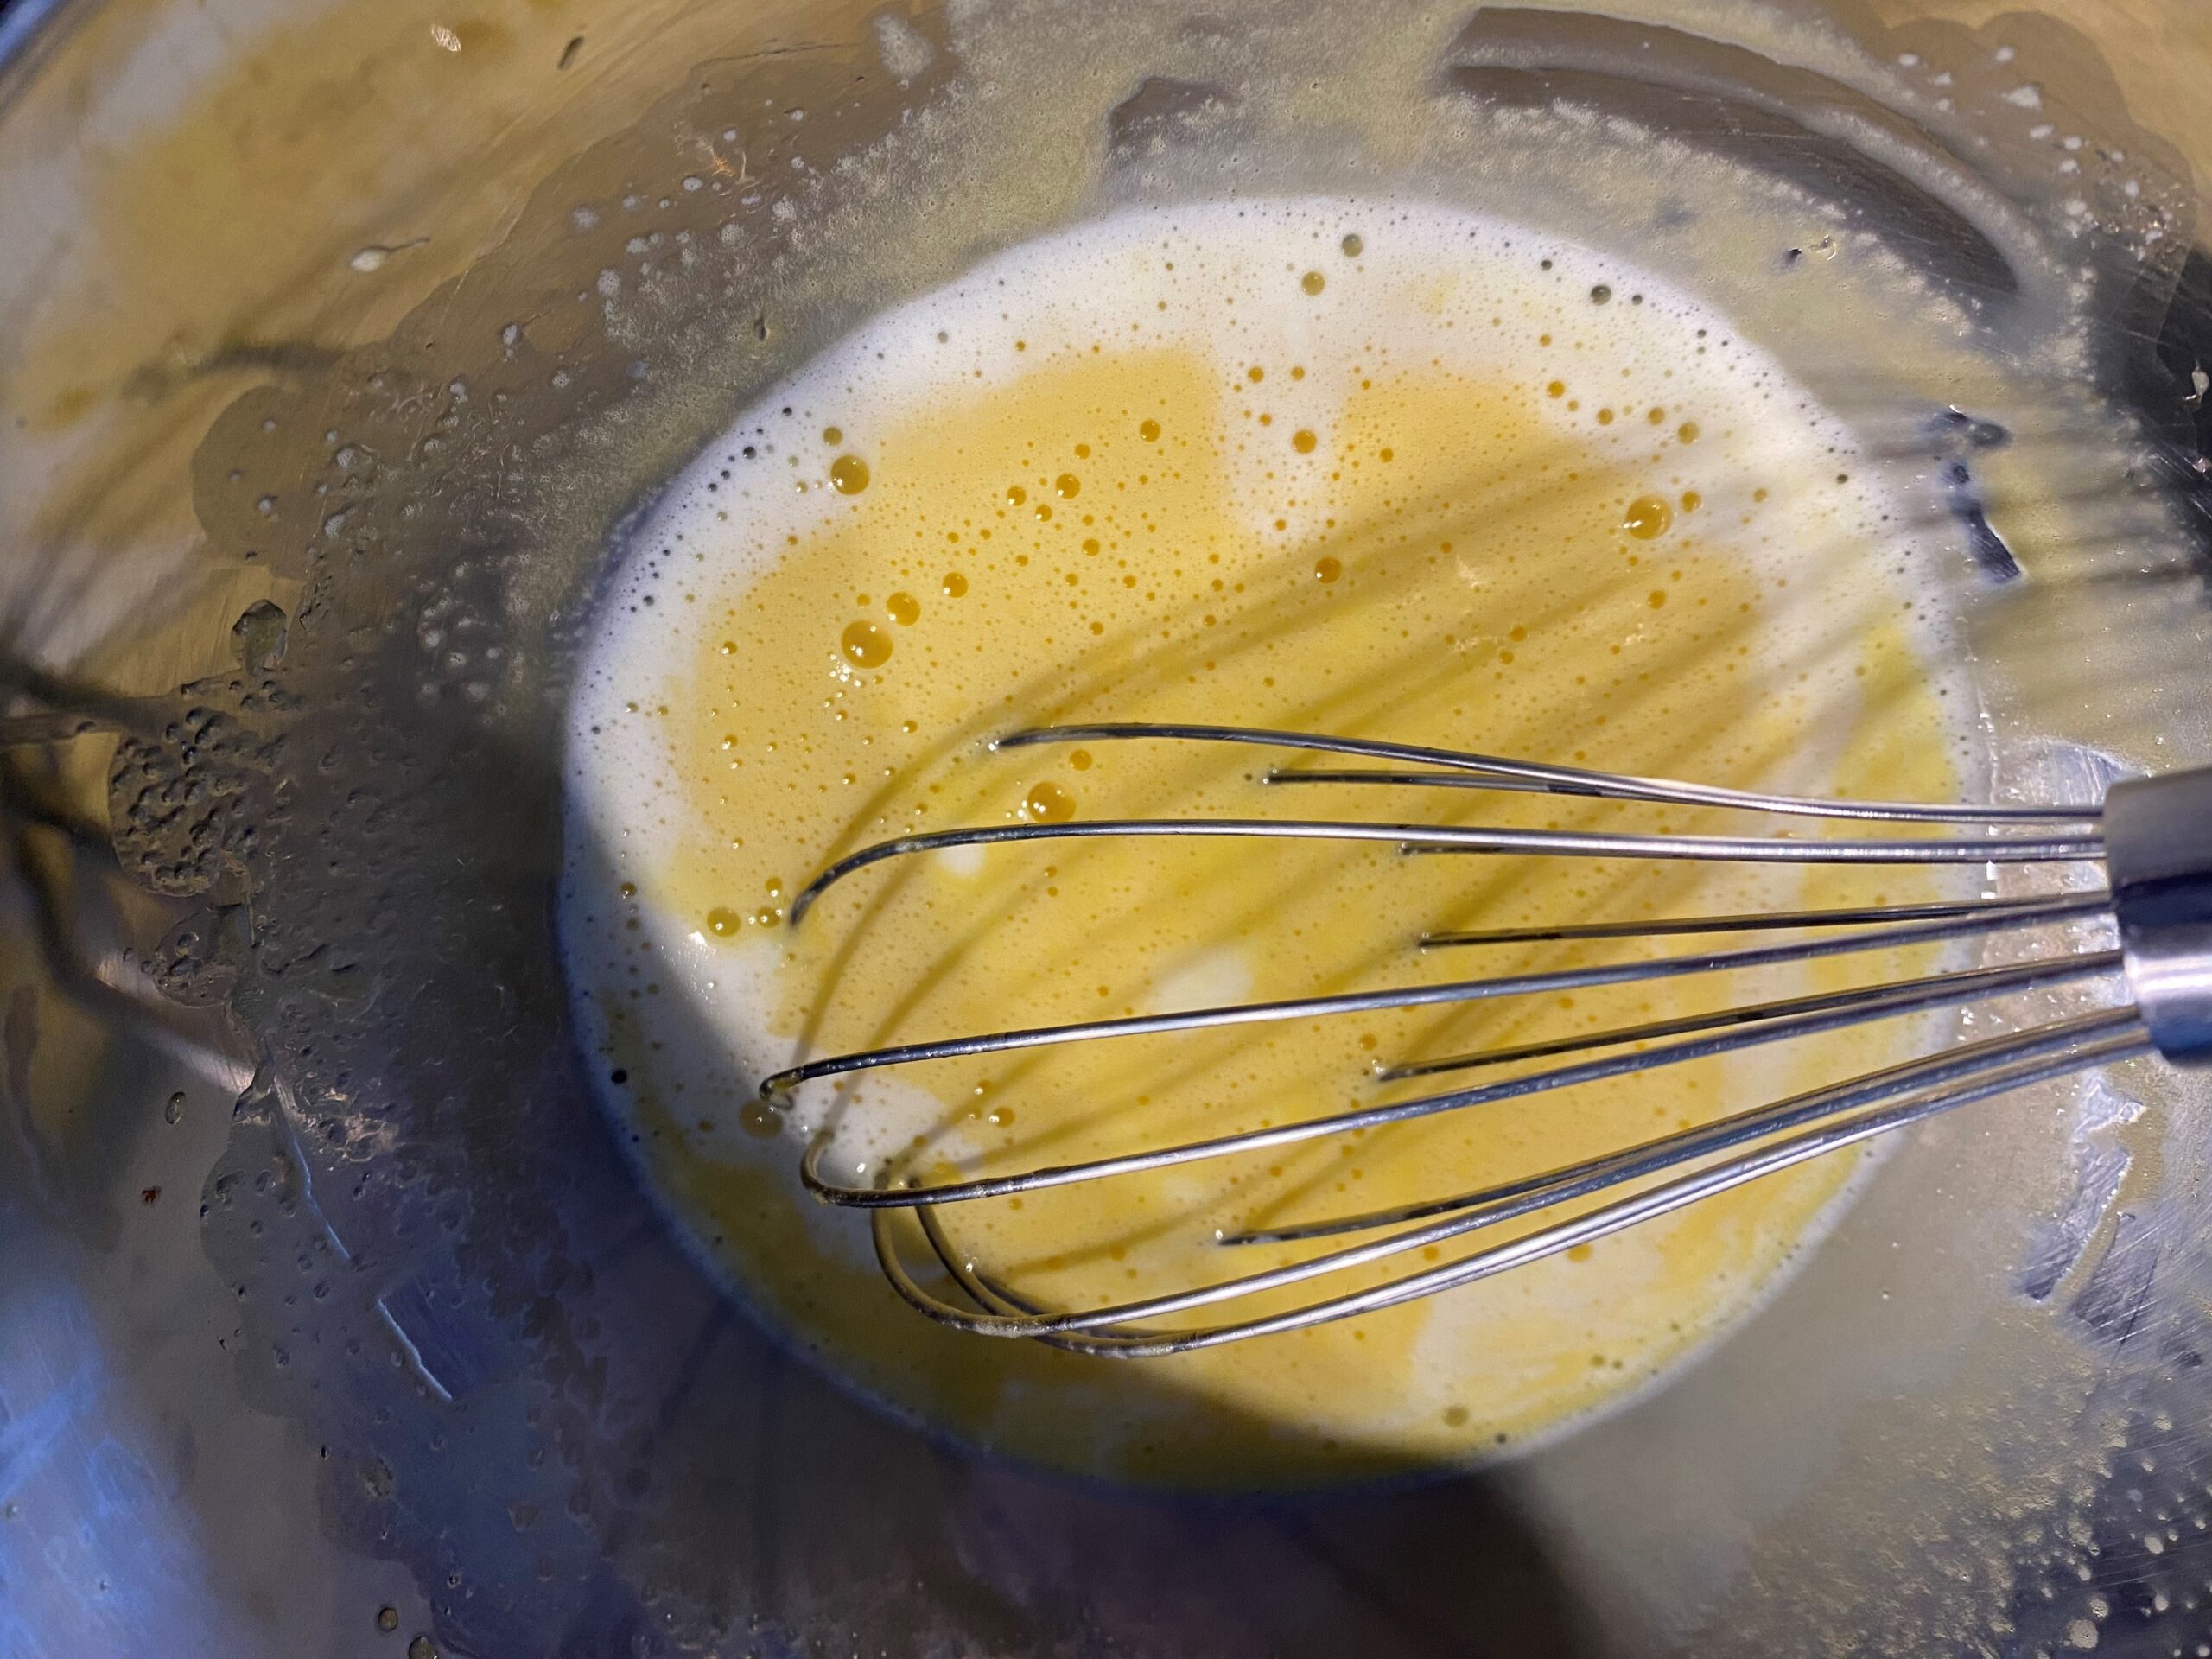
1364 467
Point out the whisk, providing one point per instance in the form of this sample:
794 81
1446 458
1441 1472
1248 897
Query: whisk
2152 837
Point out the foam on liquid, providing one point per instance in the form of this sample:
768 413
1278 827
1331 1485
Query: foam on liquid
1356 466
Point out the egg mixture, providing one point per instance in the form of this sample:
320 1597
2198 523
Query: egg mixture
1364 468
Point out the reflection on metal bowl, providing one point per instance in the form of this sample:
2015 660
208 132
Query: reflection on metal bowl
345 341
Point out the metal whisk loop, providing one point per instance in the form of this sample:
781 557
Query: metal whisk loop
1451 838
1874 1001
2148 835
778 1089
1463 769
1822 1120
1991 918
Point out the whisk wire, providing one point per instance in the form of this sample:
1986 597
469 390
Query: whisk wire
1460 768
1919 1089
1867 1002
1760 922
1485 839
778 1089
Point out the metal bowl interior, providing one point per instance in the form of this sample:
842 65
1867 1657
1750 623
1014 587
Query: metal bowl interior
333 1317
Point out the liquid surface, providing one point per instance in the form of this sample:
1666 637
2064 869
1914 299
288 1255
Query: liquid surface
1354 468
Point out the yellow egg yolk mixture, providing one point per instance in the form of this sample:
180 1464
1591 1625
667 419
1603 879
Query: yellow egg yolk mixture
1370 470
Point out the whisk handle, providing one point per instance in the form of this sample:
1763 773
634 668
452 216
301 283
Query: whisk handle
2158 834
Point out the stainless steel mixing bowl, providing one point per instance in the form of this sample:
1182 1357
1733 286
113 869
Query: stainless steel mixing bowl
340 339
